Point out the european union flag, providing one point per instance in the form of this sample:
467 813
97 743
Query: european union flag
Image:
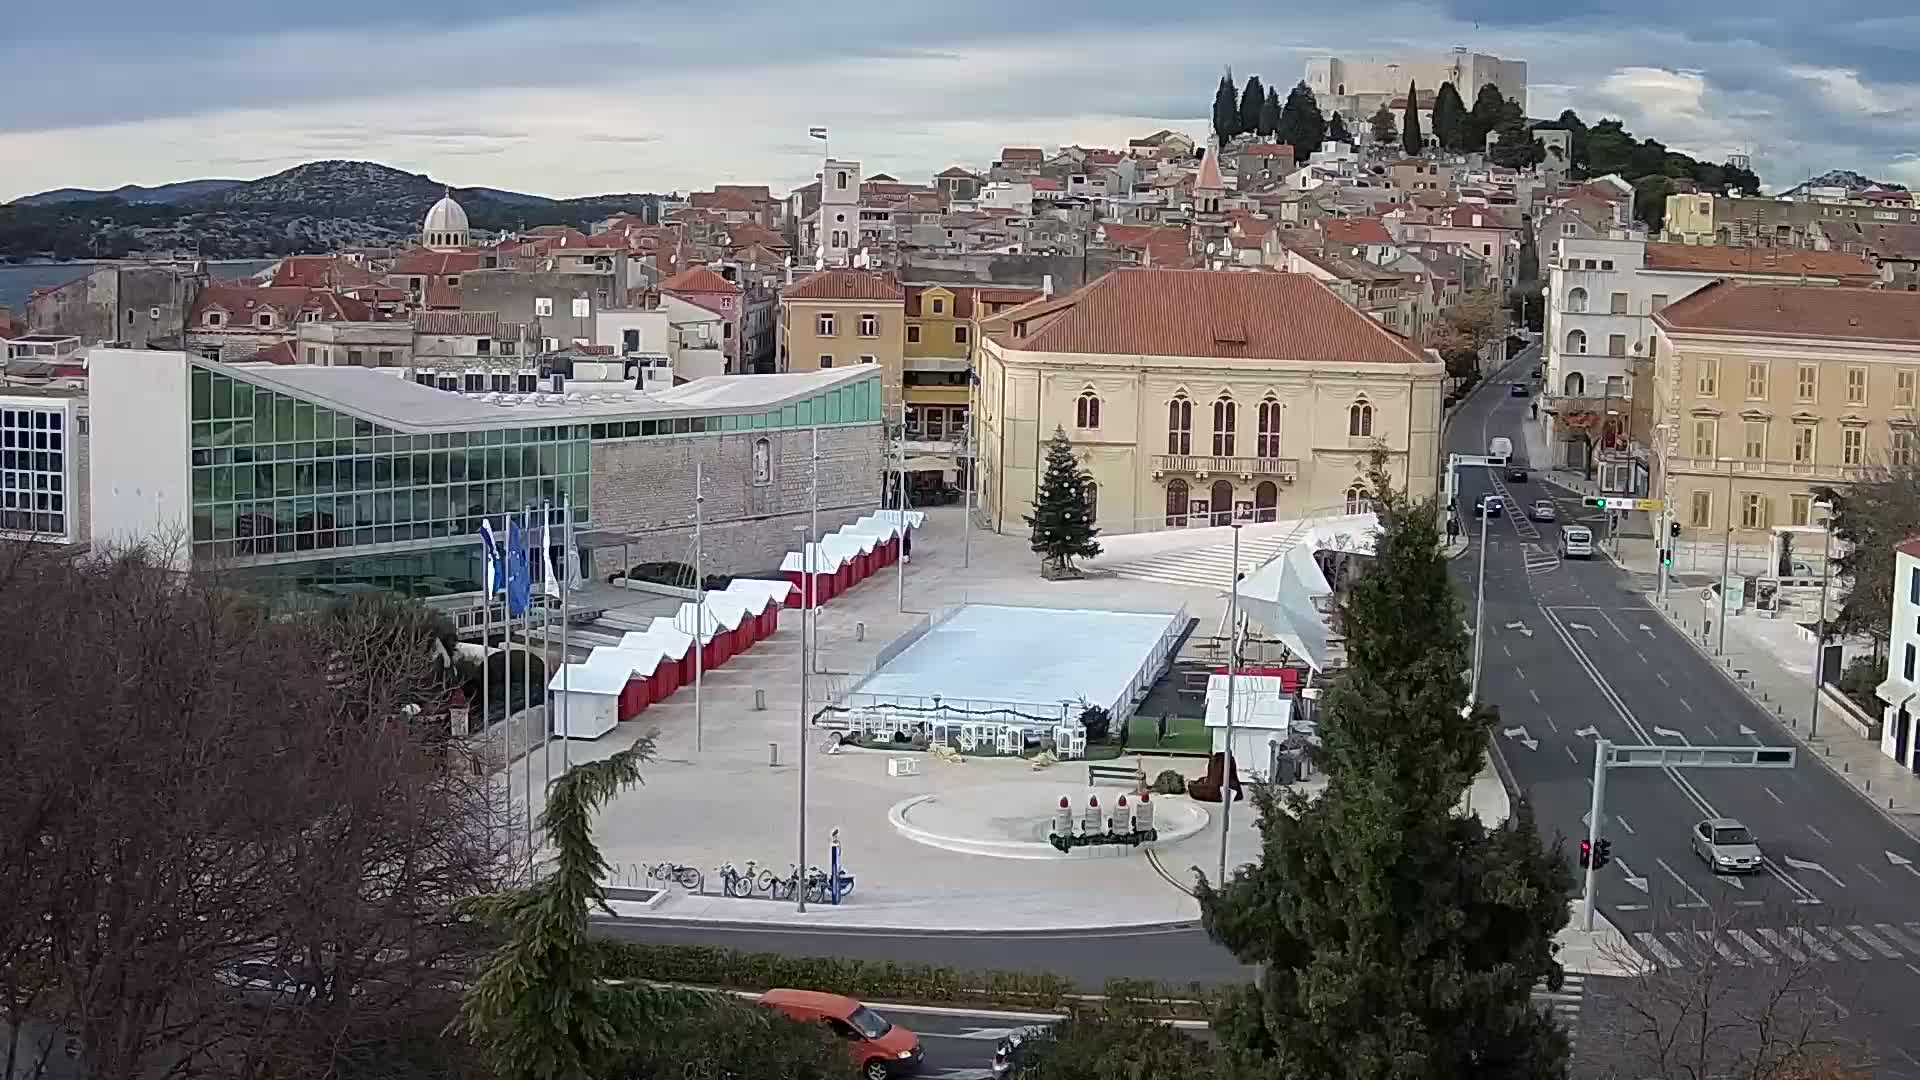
519 576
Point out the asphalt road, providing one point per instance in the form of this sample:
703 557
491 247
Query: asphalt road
1574 652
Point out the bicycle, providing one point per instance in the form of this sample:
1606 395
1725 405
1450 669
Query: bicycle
687 877
739 883
784 888
819 885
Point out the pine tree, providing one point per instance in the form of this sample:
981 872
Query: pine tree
1517 148
1487 105
1394 936
1337 131
1411 138
1270 113
1301 123
1384 129
1062 518
1449 118
1226 110
1252 99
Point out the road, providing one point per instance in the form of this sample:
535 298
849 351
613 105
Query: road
1573 653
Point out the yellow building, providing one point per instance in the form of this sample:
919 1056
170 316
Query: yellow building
839 318
1195 396
1763 393
943 333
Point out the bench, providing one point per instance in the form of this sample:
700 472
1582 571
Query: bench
1126 774
903 766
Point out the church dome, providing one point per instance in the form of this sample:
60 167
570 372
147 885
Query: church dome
446 225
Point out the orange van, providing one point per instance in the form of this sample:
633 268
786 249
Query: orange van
880 1047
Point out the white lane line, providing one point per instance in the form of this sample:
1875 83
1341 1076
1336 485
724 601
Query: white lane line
1870 873
1893 934
1709 732
1661 954
1726 952
1508 651
1775 939
1556 727
1771 795
1520 671
1662 678
1874 943
1622 822
1814 945
1846 943
1746 942
1818 833
1533 695
1684 705
1571 756
1699 901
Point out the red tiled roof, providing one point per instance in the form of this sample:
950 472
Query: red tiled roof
698 279
957 173
1045 183
1830 312
1787 262
1359 230
1462 217
1022 153
845 285
320 272
457 323
1209 178
1207 313
722 200
281 352
1284 150
422 261
443 297
1909 546
242 302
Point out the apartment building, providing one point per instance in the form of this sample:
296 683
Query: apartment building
1900 736
1763 393
840 318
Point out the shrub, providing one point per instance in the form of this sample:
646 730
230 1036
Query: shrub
1858 681
1097 721
702 965
677 574
1170 782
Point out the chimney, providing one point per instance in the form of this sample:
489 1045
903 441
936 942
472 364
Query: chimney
1046 286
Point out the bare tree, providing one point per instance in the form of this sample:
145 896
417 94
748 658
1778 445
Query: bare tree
1738 1005
232 840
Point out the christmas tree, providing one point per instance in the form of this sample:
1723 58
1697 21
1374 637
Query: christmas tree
1062 518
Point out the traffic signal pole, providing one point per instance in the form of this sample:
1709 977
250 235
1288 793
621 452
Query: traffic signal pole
1593 826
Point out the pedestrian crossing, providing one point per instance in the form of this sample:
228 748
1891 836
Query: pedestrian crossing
1738 946
1564 1003
1541 560
1210 567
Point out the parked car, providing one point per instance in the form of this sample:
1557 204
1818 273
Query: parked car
1517 473
1726 846
1542 510
879 1047
1490 505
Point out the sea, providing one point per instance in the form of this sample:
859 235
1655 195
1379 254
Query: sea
17 281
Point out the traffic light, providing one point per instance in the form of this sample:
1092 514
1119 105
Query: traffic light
1594 501
1586 853
1673 529
1603 855
1666 556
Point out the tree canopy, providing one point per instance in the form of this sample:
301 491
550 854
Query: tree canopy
1412 139
1450 119
1337 130
1301 123
1226 110
1270 113
1382 125
1063 509
1870 516
1252 100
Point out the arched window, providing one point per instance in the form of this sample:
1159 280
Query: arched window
1220 501
1176 503
1358 502
1576 384
1224 417
1086 411
1576 341
1266 498
1267 444
1360 420
1576 299
1093 500
1180 426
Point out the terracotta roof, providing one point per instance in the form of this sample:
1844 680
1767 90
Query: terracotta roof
320 272
1103 157
1209 178
1207 313
457 323
748 232
1828 312
1022 153
1463 217
422 261
280 352
1284 150
1900 243
1355 231
844 285
443 297
1790 262
1346 267
1909 546
698 279
723 200
242 302
1045 183
957 173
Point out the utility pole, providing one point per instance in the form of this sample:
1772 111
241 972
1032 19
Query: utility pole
1600 749
807 600
700 605
970 459
1726 562
1233 673
1820 623
811 624
1479 611
900 565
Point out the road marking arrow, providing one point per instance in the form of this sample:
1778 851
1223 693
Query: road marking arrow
1647 628
1802 864
1904 863
1520 734
1669 733
1588 732
1522 627
1745 730
1583 626
1637 882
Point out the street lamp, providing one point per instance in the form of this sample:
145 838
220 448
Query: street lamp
1825 506
1726 556
1233 675
807 590
1479 610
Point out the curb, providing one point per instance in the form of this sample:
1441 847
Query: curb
1766 706
1109 930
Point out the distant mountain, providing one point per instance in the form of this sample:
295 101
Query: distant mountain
132 193
1840 178
317 207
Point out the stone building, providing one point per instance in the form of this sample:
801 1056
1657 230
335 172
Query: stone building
138 305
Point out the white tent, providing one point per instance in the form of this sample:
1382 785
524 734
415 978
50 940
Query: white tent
587 696
662 634
769 592
1262 714
1280 595
716 622
823 561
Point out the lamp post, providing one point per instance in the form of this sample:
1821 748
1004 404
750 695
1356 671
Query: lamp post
1233 671
1606 425
1479 611
1726 557
806 617
1820 622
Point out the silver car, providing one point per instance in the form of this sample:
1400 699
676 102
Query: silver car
1726 846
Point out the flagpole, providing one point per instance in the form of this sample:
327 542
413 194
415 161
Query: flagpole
526 684
546 646
900 566
700 602
566 619
813 532
486 666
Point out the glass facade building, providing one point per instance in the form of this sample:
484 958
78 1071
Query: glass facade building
35 471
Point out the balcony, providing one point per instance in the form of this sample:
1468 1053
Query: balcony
1771 470
1285 470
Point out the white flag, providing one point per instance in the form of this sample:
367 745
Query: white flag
818 133
549 583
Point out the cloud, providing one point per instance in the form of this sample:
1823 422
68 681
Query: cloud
586 94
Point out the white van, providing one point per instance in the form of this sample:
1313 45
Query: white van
1500 448
1576 542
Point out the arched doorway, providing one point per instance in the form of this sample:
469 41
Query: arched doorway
1176 503
1265 498
1575 384
1220 500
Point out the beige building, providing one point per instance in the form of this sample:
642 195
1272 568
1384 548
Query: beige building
1194 396
1763 393
839 318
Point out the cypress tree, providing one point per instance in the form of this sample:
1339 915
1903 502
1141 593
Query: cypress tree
1062 518
1252 99
1270 113
1449 118
1395 937
1487 107
1337 131
1411 139
1226 110
1384 129
1301 123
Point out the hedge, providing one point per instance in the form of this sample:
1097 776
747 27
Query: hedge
870 980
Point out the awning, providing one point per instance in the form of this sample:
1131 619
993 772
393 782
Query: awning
1896 692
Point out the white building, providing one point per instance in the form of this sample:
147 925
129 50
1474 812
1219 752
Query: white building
839 221
1356 87
43 490
1900 739
1262 719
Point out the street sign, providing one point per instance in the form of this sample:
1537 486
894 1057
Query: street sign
1700 757
1621 502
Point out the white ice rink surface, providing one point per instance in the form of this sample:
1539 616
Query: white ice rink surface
988 652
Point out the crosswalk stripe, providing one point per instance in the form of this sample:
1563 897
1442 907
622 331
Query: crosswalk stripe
1893 934
1815 945
1912 928
1726 952
1846 943
1661 954
1879 946
1775 939
1746 942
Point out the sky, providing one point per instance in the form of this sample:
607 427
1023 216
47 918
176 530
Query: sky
575 97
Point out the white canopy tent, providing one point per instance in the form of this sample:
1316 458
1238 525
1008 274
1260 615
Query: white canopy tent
1280 595
591 696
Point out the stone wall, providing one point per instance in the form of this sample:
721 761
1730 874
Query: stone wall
645 486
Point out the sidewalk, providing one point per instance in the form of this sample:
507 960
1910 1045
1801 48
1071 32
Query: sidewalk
1540 460
1760 659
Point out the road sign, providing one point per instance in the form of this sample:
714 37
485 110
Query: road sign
1700 757
1621 502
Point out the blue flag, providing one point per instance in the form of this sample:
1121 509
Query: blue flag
519 579
495 577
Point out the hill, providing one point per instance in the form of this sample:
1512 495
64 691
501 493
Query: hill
317 207
131 193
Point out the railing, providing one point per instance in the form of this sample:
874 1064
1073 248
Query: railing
1772 470
1284 468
